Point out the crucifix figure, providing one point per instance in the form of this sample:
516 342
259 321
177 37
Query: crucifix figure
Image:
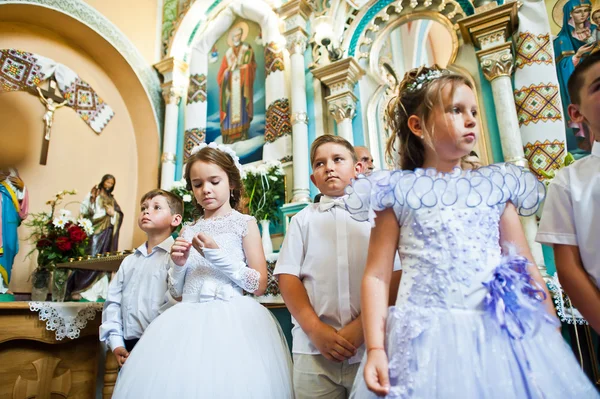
53 101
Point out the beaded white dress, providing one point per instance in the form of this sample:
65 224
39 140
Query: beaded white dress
468 321
216 343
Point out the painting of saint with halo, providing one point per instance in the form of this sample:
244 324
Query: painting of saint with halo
236 77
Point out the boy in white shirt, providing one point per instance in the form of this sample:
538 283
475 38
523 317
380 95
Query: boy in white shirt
139 290
320 268
571 218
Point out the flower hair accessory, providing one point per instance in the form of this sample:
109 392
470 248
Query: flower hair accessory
222 148
423 79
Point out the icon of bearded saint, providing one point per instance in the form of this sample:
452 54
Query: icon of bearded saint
236 82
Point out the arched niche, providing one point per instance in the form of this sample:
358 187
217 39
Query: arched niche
78 157
201 27
368 39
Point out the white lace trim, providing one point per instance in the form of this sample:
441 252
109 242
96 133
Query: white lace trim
565 310
248 279
66 318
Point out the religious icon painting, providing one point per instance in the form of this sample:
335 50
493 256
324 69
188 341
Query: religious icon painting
237 80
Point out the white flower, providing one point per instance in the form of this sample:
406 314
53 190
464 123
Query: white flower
223 148
187 198
86 224
59 222
65 213
179 184
274 178
262 169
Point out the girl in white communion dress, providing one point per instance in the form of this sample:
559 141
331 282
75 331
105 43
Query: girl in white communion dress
216 343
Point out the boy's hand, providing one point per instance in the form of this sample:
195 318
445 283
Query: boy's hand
331 344
376 372
121 355
202 240
353 333
180 251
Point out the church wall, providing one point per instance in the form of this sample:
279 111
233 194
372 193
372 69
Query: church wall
137 19
77 157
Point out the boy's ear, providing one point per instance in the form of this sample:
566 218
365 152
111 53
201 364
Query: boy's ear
575 113
414 124
176 221
312 179
359 168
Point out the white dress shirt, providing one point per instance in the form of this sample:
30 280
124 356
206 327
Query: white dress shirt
571 215
327 250
137 294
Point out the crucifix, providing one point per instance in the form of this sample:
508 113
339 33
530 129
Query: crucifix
53 100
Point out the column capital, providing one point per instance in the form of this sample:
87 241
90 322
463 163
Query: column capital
496 62
296 40
172 94
342 106
490 27
173 70
340 77
295 13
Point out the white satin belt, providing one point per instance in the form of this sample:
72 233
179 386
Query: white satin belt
212 290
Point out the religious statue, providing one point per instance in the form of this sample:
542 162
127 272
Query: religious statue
51 107
13 210
576 39
101 207
236 82
595 16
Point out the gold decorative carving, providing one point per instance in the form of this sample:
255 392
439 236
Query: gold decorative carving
299 117
343 108
168 157
46 384
296 41
496 62
340 75
171 94
478 29
294 8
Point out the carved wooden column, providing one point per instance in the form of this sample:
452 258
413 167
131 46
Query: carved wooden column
296 14
173 88
341 77
490 30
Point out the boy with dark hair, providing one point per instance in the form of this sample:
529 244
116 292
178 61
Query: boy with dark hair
138 292
571 219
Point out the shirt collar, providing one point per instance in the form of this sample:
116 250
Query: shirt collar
165 246
596 149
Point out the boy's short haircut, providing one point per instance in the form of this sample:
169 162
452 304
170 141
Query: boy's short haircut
175 202
577 78
330 138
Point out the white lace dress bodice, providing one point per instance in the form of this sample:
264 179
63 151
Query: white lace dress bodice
200 280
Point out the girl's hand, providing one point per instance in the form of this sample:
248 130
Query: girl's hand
202 240
376 372
180 251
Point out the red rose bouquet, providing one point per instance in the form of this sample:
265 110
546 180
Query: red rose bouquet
58 236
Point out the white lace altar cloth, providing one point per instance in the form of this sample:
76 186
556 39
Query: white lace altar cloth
66 318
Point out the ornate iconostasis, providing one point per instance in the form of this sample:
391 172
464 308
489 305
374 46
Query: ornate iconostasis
83 85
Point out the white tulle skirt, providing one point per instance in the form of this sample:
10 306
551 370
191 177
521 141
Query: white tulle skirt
214 349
